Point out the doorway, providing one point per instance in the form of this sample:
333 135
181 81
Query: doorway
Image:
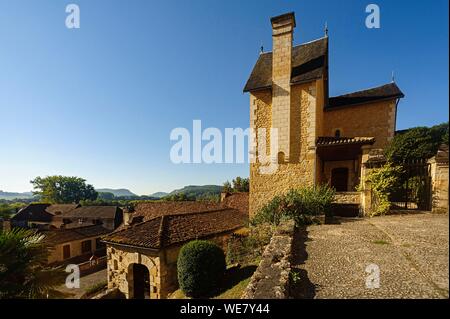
141 281
339 179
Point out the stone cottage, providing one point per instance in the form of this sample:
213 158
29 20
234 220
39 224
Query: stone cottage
142 253
321 139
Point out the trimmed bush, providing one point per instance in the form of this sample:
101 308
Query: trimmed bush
201 266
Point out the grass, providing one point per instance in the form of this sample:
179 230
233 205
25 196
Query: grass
235 281
94 289
381 242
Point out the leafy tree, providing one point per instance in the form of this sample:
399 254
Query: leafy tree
106 196
241 184
63 189
238 184
227 188
417 143
23 273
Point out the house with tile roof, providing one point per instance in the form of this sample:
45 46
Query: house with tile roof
307 136
142 253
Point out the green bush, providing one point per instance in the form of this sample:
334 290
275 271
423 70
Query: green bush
201 266
383 181
302 205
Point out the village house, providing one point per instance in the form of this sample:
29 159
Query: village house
110 217
39 215
142 253
71 231
74 245
321 139
55 216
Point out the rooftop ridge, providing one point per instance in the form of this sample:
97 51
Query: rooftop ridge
363 90
298 45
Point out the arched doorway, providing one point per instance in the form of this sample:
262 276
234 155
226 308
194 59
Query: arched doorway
339 179
139 281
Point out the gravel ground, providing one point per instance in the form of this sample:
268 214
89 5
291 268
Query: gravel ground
411 251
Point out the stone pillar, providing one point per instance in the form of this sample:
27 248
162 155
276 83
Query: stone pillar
439 182
282 36
366 192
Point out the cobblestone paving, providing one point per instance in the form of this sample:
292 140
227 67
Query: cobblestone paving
411 251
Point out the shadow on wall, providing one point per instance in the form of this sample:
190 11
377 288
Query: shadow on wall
300 286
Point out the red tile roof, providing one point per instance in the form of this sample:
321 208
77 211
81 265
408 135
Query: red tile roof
60 236
169 229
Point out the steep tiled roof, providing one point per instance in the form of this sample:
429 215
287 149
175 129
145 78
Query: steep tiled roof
388 91
308 63
60 236
151 210
33 212
91 212
331 141
166 230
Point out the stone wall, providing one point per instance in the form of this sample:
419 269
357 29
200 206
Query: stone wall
271 278
347 198
162 267
300 168
440 180
371 120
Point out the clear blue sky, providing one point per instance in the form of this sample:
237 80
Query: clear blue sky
100 102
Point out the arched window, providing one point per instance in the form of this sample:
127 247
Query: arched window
337 133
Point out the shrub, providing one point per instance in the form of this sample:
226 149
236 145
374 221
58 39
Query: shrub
382 181
247 249
302 205
201 266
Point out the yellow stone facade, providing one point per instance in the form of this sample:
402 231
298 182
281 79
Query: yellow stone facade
299 113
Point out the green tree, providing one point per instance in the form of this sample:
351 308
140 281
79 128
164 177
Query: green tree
23 273
63 189
417 143
107 196
241 184
227 188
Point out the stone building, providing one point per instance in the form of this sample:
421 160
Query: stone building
143 251
321 139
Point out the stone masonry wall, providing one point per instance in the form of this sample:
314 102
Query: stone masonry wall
440 180
299 171
371 120
271 278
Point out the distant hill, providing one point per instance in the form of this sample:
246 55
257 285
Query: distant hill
159 194
198 191
11 195
121 192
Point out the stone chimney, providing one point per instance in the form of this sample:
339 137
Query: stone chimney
282 37
128 215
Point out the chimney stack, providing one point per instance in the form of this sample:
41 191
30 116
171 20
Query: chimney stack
282 37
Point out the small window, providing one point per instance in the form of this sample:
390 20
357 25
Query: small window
66 251
337 133
86 246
